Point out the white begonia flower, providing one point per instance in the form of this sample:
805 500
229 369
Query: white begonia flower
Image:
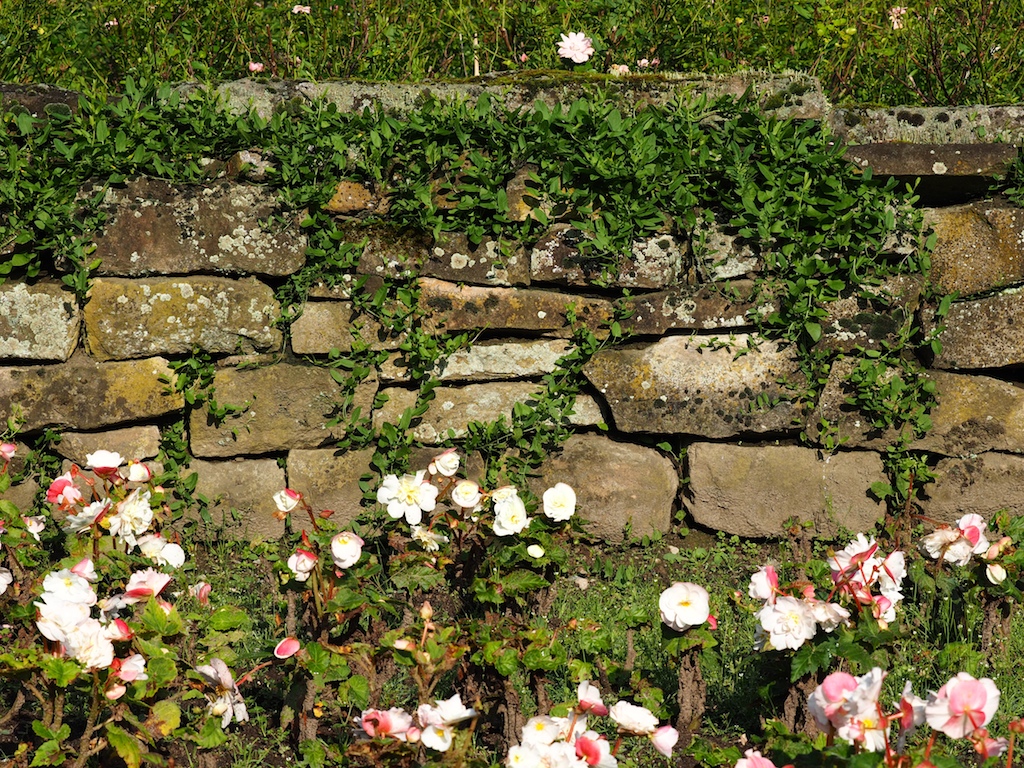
948 544
132 516
34 524
437 737
138 472
68 587
509 514
631 718
576 47
446 463
526 756
789 623
541 731
995 573
409 495
88 643
466 494
829 616
104 462
286 500
536 551
58 617
6 579
346 549
684 605
302 564
427 539
88 517
227 702
559 502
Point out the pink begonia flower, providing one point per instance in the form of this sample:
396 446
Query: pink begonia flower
131 669
896 14
642 63
394 722
287 648
104 463
201 592
346 549
595 750
86 569
114 689
995 573
863 723
962 705
664 739
137 472
684 605
754 759
589 697
559 502
63 492
466 494
118 631
446 463
972 527
409 496
576 47
7 451
255 66
301 9
618 70
302 564
831 697
988 747
34 524
147 583
764 584
287 499
856 561
631 718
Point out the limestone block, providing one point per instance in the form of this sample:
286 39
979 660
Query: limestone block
84 394
965 124
353 199
981 333
957 160
975 414
616 484
171 316
873 318
38 322
979 246
22 495
390 252
723 305
327 325
158 228
450 307
286 406
695 386
982 484
753 490
720 254
488 361
453 408
131 442
241 496
453 257
329 480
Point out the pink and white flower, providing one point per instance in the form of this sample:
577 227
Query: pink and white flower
634 719
576 47
287 648
445 464
147 583
63 492
962 705
392 722
346 549
227 701
104 463
302 564
764 584
589 697
286 500
754 759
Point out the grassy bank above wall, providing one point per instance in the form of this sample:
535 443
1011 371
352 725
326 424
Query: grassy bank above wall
866 52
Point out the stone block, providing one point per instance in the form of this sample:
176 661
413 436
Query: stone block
954 160
329 480
617 485
130 442
982 484
390 252
327 325
698 386
172 316
975 414
38 322
158 228
488 361
980 333
723 305
979 246
286 406
753 490
454 258
241 496
83 394
450 307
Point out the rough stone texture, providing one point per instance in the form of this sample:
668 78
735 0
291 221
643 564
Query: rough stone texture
329 481
975 414
979 247
287 406
453 257
927 125
390 252
720 254
453 408
354 199
245 486
983 333
326 325
526 198
724 305
83 394
656 262
155 227
248 164
130 442
983 485
38 322
137 318
616 484
488 361
37 99
792 95
902 159
754 490
872 318
687 386
450 307
22 495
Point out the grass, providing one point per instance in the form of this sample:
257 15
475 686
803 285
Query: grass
957 53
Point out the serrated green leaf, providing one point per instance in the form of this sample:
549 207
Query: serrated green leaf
48 753
61 671
128 747
164 717
227 617
212 735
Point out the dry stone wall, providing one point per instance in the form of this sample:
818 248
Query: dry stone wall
195 268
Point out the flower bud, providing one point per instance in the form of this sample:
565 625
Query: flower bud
995 573
426 611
